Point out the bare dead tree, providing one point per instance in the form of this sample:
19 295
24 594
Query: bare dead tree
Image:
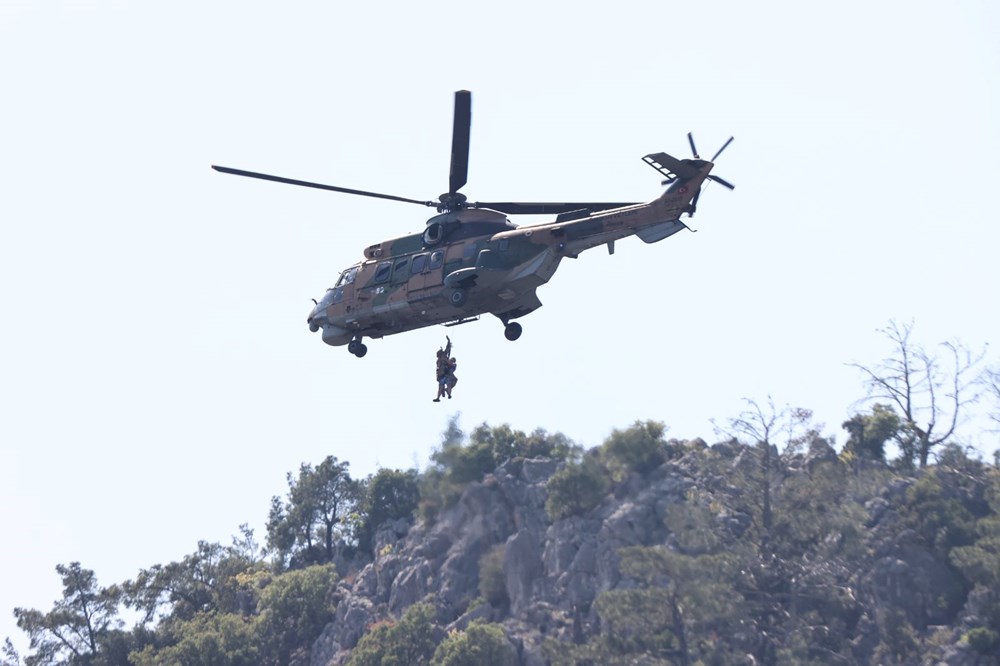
992 381
930 389
767 426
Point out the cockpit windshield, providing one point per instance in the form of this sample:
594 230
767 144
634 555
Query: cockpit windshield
347 277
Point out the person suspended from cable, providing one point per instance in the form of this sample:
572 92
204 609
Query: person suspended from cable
441 371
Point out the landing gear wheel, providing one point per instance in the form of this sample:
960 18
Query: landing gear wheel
512 331
357 348
459 297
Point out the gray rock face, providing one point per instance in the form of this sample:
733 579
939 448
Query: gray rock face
554 571
440 562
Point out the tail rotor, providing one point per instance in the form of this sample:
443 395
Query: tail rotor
718 179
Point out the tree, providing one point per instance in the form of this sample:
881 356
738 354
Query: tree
490 446
207 639
639 448
929 392
389 494
979 561
207 580
318 502
457 463
10 655
868 433
78 627
992 381
765 427
936 514
557 446
292 612
676 603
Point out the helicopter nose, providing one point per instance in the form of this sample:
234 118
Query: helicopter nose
332 335
312 319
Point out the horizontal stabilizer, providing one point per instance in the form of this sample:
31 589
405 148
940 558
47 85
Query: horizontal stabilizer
670 166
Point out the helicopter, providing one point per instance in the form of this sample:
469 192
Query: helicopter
471 260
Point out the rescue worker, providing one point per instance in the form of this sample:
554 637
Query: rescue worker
443 362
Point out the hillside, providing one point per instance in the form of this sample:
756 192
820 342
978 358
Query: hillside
523 549
861 564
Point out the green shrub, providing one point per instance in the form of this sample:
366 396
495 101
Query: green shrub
983 640
492 581
481 644
409 641
576 489
639 448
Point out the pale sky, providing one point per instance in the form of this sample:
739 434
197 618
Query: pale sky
158 379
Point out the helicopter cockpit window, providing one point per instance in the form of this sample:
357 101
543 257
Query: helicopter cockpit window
382 272
437 259
419 263
334 295
347 277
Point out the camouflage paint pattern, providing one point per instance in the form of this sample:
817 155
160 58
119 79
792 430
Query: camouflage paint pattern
471 262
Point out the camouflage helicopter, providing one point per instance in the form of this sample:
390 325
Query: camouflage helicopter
471 259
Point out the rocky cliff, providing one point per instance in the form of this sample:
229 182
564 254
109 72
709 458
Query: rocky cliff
847 568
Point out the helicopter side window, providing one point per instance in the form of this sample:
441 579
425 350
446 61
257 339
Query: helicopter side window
399 270
504 244
437 259
419 263
382 272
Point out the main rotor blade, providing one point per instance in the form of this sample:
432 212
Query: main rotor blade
694 151
719 151
460 141
721 181
522 208
319 186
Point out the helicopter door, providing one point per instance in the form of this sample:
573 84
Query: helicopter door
425 274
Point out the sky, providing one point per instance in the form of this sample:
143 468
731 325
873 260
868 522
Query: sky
158 379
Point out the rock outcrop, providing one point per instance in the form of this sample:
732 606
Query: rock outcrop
555 570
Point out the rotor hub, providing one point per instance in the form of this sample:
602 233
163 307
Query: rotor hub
451 201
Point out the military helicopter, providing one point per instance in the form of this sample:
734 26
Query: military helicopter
471 259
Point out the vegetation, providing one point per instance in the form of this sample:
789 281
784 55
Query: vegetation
772 547
387 496
481 644
577 488
639 449
930 389
457 462
408 642
492 582
304 528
